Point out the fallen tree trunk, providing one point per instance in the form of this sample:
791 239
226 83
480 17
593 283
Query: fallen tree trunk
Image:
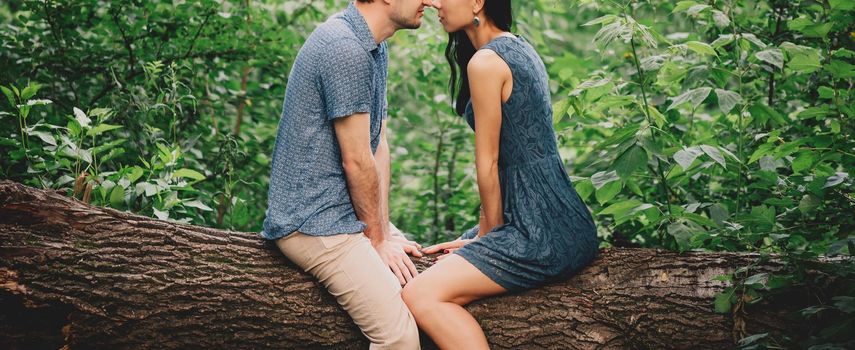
86 277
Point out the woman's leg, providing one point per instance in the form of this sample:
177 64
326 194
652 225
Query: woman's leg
436 298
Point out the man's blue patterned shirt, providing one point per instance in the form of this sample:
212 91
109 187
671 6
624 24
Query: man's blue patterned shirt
339 71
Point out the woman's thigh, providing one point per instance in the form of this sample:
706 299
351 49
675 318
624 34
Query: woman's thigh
452 279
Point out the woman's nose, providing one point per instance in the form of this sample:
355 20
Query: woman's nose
437 4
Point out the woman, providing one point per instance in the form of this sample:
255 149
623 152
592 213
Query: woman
534 228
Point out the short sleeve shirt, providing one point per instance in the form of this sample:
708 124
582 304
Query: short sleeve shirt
339 71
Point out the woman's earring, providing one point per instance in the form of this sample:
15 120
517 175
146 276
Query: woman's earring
477 21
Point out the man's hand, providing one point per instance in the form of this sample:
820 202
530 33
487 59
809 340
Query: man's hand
410 247
396 258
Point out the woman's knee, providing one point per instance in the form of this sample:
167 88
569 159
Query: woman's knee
412 296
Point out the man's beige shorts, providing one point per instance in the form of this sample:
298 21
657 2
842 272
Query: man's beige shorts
349 267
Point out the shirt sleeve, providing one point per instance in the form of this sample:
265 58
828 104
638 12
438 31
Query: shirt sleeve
346 75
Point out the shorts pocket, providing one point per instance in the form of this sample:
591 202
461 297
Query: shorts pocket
334 240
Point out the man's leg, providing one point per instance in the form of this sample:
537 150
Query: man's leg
351 270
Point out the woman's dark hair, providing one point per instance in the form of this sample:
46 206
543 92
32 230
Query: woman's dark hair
460 50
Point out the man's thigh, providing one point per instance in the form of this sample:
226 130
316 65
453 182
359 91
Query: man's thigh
349 267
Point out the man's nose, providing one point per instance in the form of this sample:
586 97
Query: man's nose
432 3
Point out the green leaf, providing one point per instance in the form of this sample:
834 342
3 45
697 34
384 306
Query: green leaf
117 196
723 40
603 178
630 160
826 92
10 96
809 203
764 149
759 278
107 146
189 173
698 219
81 118
101 128
844 303
601 20
685 157
696 10
198 205
161 214
721 19
763 113
701 48
695 96
714 153
840 69
727 100
682 233
584 188
621 135
608 191
657 116
134 174
753 39
798 24
620 207
810 29
803 59
44 136
771 56
611 31
817 113
803 161
30 91
843 5
835 180
752 339
147 188
683 6
39 102
761 217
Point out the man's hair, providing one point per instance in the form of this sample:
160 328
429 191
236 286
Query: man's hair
366 1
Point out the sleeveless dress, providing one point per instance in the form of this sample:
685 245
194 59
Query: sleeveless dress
548 233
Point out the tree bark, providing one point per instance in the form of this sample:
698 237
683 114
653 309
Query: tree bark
82 277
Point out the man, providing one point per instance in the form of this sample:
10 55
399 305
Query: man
328 198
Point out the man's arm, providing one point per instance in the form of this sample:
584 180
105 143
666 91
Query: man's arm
383 159
384 163
361 172
363 182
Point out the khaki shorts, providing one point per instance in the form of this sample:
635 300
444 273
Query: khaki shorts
349 267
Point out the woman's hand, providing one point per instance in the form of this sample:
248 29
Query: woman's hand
447 247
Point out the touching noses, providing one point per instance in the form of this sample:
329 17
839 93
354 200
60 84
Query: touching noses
433 3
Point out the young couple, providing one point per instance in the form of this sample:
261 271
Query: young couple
328 206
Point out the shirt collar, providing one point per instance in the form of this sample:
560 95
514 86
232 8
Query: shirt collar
360 27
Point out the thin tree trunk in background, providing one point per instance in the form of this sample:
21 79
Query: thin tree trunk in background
94 278
223 200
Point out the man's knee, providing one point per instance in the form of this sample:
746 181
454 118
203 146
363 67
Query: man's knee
405 338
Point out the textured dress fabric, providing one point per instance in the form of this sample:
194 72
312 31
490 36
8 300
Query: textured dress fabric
548 233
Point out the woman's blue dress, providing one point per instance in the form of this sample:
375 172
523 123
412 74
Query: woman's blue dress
548 233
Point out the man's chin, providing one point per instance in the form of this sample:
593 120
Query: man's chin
414 25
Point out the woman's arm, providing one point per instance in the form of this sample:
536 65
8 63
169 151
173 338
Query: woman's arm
488 74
